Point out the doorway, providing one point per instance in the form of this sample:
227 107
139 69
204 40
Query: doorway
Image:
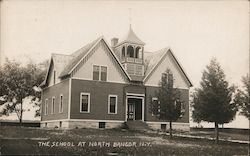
134 108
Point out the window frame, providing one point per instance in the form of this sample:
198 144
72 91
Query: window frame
100 73
61 103
46 110
81 94
116 103
159 109
53 101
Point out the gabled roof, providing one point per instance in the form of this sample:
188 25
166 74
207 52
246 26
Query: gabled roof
59 61
131 37
154 59
67 64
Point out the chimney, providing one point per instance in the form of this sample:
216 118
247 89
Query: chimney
114 41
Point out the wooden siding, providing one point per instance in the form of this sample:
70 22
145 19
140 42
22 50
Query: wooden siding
56 90
150 91
99 92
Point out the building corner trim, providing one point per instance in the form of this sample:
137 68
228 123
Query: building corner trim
69 102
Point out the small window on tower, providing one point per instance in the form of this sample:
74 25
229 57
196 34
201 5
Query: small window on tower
137 51
130 51
123 52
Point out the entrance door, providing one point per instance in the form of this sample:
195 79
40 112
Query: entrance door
134 109
131 110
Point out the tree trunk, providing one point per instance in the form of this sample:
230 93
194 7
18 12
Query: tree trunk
21 115
170 129
216 133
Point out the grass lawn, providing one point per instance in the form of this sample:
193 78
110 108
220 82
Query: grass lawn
35 141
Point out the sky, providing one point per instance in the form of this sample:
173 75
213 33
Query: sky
196 31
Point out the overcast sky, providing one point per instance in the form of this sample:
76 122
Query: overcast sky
196 31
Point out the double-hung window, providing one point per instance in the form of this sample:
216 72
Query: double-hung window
46 107
85 102
61 104
96 71
53 105
99 73
156 106
112 104
103 73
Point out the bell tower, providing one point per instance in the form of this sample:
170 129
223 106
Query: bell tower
131 53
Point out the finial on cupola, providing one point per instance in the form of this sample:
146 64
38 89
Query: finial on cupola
130 19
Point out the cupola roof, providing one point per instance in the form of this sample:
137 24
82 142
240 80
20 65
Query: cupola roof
131 37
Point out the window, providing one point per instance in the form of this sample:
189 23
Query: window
169 77
137 51
95 72
156 106
61 104
99 73
46 107
123 52
130 51
85 103
103 73
54 77
53 105
102 124
182 107
112 104
163 127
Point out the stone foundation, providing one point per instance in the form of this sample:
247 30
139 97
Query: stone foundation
109 124
72 124
162 125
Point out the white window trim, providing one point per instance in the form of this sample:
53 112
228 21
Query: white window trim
46 107
61 101
116 101
53 108
81 102
100 72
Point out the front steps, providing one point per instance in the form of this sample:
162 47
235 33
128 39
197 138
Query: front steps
137 125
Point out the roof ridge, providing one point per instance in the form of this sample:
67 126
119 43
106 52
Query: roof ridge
85 46
60 54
